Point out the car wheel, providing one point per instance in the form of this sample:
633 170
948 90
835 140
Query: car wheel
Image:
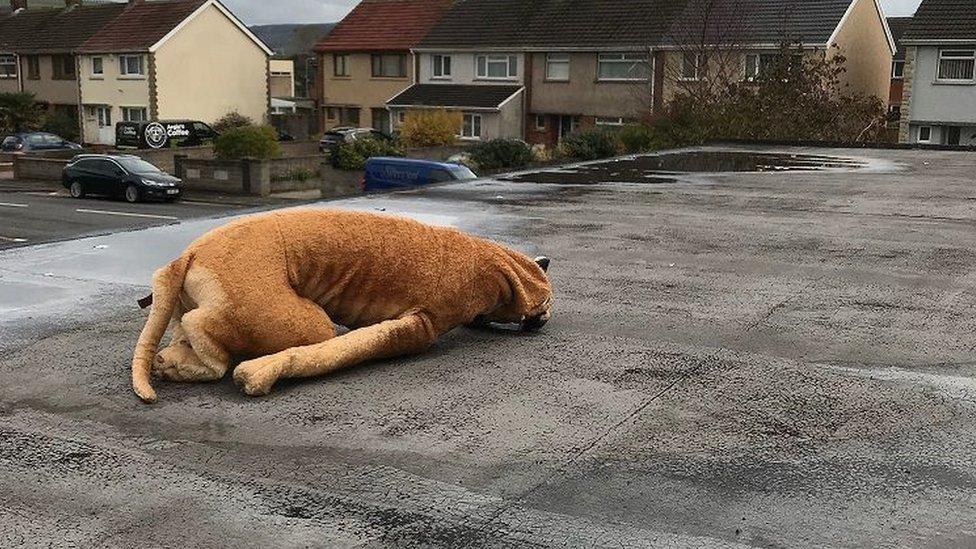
77 190
132 194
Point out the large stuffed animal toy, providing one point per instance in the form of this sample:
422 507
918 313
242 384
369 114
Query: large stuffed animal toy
272 287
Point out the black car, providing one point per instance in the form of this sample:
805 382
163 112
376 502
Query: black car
336 136
35 141
126 176
163 133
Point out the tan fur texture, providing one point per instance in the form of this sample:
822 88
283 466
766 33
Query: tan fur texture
270 288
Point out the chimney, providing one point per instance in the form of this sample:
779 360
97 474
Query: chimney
18 5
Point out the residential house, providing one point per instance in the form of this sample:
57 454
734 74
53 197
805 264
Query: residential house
939 102
140 60
296 42
282 79
366 59
148 64
607 62
898 25
38 50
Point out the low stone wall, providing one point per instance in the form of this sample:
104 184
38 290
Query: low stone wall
38 167
255 177
286 173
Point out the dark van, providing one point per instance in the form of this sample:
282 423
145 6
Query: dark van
384 173
163 133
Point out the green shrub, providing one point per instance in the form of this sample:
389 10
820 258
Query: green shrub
247 141
501 153
298 174
353 155
19 112
61 124
590 144
230 121
638 138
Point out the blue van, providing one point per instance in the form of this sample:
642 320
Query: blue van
383 173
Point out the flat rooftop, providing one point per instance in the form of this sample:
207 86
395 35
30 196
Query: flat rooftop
744 359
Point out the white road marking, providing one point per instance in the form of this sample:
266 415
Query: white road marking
126 214
212 204
13 205
12 239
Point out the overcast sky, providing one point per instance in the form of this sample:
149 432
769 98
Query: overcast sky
260 12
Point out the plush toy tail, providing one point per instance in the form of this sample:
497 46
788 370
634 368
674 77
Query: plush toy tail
167 285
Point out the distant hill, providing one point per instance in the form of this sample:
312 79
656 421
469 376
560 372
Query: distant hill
292 40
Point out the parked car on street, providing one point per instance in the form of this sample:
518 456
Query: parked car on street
35 142
163 133
126 176
384 173
337 136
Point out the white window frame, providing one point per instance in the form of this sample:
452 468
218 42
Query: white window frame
401 117
96 113
957 54
929 138
894 69
127 114
100 73
9 61
631 59
124 66
696 72
540 122
340 65
557 59
610 122
472 134
510 62
441 66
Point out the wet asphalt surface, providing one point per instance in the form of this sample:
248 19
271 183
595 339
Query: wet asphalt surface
764 360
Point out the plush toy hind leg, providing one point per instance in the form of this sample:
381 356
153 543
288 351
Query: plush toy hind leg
405 335
196 353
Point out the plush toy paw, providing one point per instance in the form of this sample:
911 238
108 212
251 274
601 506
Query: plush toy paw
256 377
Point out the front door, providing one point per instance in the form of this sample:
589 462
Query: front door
952 135
566 126
381 121
106 131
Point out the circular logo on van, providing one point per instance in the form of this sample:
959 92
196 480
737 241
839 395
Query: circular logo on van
155 135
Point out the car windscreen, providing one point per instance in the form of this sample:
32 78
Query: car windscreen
462 172
9 141
138 165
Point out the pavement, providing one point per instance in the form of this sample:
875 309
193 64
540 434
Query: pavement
778 359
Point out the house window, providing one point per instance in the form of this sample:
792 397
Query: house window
692 66
349 116
557 67
131 65
63 67
540 122
623 66
340 64
925 134
442 66
97 66
957 65
390 66
471 128
134 114
611 122
496 67
8 66
332 113
33 67
101 113
401 117
897 69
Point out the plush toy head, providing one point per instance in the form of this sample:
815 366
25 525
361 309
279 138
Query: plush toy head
528 301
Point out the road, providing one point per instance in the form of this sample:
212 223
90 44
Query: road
33 213
737 360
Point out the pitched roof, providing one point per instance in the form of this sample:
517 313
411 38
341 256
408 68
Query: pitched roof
522 24
759 21
943 20
54 30
384 25
141 25
898 26
454 96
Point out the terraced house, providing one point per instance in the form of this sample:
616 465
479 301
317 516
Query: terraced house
140 60
366 59
543 69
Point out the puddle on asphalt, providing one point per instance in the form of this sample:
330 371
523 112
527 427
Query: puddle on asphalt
665 168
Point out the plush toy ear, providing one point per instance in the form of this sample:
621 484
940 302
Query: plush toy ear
543 262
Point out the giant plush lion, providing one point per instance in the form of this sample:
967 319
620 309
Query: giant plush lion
270 288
